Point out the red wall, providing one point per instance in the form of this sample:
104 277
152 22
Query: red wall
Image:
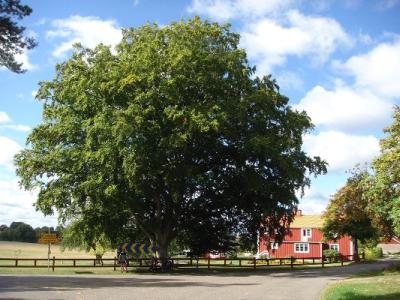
314 243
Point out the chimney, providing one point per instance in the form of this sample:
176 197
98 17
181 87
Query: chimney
299 213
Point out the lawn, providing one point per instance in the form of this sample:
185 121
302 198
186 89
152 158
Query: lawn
383 285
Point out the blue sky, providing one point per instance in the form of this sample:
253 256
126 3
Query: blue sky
338 60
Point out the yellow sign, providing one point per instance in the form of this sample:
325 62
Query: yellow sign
48 238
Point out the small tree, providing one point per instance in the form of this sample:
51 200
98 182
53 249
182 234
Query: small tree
382 188
347 213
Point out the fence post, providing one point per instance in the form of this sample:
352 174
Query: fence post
197 263
254 262
94 262
291 262
322 260
267 261
224 261
209 263
363 255
16 262
54 263
34 262
341 259
115 264
74 262
191 262
240 262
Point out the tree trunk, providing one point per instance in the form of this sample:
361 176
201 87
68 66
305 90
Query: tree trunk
162 251
356 257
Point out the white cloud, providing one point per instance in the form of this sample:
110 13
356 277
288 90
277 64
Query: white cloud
23 59
377 70
269 42
17 127
341 151
313 201
7 151
4 117
223 10
17 205
346 108
89 31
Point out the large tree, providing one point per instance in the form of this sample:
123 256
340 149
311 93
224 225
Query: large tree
12 41
169 130
347 212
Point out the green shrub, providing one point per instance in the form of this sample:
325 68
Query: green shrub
373 253
331 255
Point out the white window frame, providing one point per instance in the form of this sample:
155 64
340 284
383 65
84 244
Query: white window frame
334 247
272 245
301 248
307 231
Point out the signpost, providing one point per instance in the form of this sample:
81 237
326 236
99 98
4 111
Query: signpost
48 238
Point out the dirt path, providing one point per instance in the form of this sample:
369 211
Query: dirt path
298 284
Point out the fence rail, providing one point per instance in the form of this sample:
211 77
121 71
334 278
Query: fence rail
200 262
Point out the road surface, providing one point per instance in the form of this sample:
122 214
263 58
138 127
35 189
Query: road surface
297 284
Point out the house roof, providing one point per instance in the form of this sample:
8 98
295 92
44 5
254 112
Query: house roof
310 221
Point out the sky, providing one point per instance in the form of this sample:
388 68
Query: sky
336 59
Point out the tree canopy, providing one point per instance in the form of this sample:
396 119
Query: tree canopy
347 212
383 191
166 136
12 41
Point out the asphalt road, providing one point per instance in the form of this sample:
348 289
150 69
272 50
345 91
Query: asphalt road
298 284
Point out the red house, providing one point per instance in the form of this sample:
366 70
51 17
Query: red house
305 239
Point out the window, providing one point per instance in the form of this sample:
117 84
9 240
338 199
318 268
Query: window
274 246
334 247
306 232
301 248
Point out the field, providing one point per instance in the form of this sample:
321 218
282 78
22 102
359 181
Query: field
26 250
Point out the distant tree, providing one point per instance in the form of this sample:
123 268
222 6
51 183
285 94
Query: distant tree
19 231
347 212
171 126
12 41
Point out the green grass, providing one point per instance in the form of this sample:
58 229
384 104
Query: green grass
382 285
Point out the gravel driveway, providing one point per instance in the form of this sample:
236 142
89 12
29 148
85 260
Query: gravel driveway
298 284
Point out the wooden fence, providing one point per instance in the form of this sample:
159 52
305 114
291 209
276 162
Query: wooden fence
202 262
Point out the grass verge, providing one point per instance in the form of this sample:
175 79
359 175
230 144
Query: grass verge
382 285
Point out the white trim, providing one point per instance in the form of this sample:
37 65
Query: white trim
303 248
336 246
306 233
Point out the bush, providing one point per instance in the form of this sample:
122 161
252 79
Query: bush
331 254
373 253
